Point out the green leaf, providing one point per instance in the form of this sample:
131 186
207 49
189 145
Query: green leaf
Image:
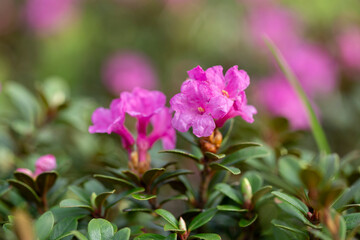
28 180
347 195
287 227
293 201
122 234
114 180
320 235
214 157
44 225
245 154
169 228
180 197
142 196
293 211
330 166
77 234
261 192
101 198
168 217
255 180
230 208
137 210
25 190
206 236
229 192
317 130
182 153
73 203
150 236
55 92
247 222
64 227
218 166
150 175
342 228
289 169
45 181
131 176
122 195
100 229
352 220
169 175
202 219
172 236
239 146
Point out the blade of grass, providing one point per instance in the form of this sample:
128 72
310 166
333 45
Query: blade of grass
316 128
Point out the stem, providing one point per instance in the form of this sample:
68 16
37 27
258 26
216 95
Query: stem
206 176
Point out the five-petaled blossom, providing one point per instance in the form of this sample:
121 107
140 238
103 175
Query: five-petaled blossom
208 98
148 107
45 163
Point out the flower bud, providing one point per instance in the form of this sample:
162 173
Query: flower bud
25 170
44 164
182 224
246 191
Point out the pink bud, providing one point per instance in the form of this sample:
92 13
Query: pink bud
44 164
25 170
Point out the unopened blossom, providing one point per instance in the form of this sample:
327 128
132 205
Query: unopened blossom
208 96
277 96
126 70
147 107
45 163
349 47
48 15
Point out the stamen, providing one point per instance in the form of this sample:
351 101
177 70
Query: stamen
201 110
225 93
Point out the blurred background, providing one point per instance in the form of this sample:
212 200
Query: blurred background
60 59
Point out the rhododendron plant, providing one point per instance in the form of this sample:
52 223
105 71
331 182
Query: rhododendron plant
208 98
147 107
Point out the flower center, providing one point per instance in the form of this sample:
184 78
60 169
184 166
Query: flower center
225 93
201 110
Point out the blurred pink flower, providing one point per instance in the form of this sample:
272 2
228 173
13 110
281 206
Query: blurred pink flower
279 24
209 96
45 163
279 98
147 107
48 15
126 70
314 67
349 47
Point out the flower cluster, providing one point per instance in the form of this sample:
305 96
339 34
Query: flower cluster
148 107
208 98
43 164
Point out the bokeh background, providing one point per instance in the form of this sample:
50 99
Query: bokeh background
60 59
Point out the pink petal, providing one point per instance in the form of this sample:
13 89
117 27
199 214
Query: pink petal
182 121
216 77
102 119
26 171
197 73
203 125
45 163
219 106
237 81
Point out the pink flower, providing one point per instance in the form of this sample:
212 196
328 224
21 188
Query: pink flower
349 47
147 107
314 67
279 24
279 98
126 70
48 15
208 96
45 163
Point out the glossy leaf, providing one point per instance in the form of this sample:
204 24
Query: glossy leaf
289 169
218 166
101 198
214 157
137 210
122 195
73 203
167 216
169 228
206 236
229 192
150 175
293 201
142 196
114 180
230 208
100 229
122 234
287 227
172 236
150 236
44 225
352 220
260 193
347 195
182 153
28 180
202 219
247 222
45 181
244 154
239 146
180 197
25 190
169 175
63 227
132 177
